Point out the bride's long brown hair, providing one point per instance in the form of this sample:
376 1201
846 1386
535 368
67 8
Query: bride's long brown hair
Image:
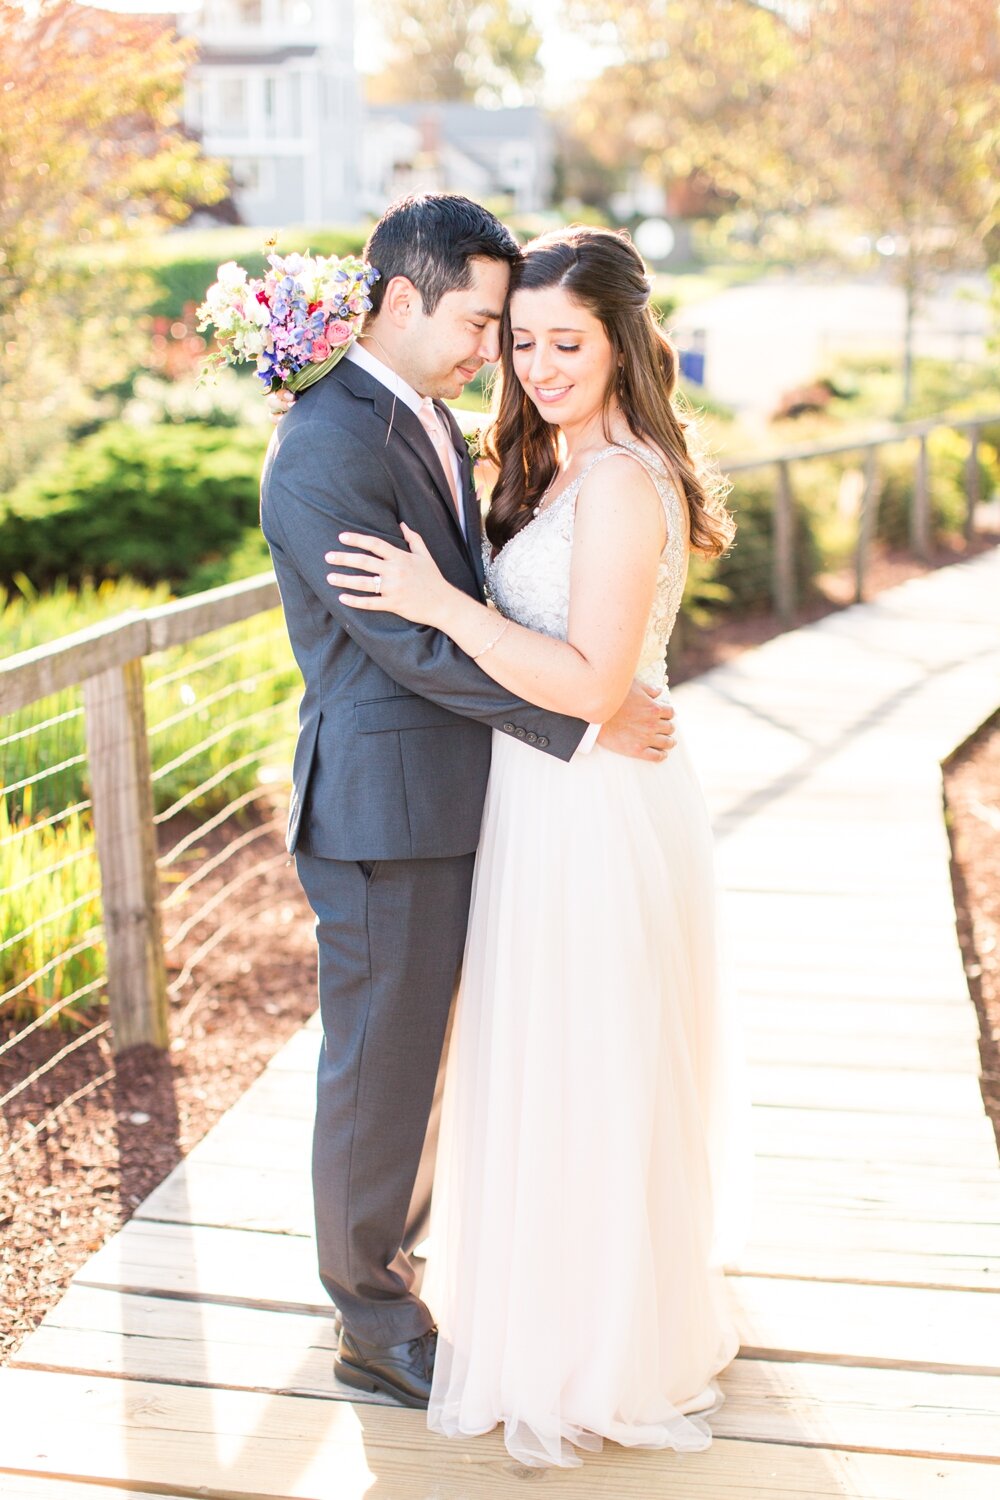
603 271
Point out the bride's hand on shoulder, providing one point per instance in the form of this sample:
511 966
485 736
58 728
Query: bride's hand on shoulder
394 580
484 477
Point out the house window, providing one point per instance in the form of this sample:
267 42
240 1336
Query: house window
232 106
252 176
293 98
332 92
194 103
269 96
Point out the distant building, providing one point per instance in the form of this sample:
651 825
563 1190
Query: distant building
484 153
275 93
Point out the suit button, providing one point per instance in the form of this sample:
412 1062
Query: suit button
543 740
531 737
508 729
520 733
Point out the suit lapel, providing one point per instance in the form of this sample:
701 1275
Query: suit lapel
470 500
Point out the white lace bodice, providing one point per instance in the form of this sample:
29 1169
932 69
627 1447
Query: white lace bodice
529 579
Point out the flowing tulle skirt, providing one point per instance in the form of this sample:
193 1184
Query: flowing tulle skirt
591 1176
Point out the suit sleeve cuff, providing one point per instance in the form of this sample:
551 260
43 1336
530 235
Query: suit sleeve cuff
589 740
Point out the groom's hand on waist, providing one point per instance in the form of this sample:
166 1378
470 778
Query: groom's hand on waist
643 727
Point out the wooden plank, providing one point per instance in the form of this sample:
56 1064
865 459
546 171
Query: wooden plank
909 1327
905 1255
872 1090
902 988
791 1400
43 1487
850 1049
840 1135
242 1196
885 1191
932 1195
99 1332
225 1443
835 1016
205 1261
901 1411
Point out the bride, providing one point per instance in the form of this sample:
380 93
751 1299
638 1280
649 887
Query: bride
589 1181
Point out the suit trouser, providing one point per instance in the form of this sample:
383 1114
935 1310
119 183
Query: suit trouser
390 937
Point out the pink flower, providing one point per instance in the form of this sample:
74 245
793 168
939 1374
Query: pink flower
320 351
339 333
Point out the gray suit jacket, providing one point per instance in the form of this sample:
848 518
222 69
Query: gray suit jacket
395 723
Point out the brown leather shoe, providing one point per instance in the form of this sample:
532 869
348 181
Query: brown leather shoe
403 1371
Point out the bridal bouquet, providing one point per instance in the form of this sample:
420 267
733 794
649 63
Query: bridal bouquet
295 322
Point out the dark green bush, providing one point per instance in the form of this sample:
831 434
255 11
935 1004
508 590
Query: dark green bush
248 557
151 503
746 570
184 278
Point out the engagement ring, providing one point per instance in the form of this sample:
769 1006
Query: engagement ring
377 583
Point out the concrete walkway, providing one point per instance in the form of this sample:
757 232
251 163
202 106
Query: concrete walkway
191 1355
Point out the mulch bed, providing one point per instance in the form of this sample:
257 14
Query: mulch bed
74 1184
972 796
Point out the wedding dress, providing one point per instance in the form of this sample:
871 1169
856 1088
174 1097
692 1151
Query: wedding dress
586 1189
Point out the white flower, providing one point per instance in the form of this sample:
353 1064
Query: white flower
231 276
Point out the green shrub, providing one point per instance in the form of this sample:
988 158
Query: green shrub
249 557
152 503
745 573
947 453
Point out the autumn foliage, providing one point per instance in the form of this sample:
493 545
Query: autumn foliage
91 151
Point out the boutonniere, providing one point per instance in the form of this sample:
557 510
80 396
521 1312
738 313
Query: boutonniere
474 443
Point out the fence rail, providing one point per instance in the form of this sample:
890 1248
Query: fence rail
783 580
106 662
113 749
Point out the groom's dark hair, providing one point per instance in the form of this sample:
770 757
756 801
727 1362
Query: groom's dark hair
430 239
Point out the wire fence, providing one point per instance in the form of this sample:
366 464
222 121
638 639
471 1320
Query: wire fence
216 718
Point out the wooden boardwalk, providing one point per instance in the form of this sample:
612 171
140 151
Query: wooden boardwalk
192 1354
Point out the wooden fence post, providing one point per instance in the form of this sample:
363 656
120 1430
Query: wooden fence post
783 547
122 795
867 521
920 511
972 483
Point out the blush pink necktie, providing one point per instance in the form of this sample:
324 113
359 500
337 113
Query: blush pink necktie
431 423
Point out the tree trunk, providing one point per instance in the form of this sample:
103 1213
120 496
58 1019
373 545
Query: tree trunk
910 294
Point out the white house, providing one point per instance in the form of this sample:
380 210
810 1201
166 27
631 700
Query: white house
275 93
485 153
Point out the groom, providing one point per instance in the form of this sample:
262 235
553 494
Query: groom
393 753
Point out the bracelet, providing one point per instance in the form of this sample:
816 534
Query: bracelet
475 655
